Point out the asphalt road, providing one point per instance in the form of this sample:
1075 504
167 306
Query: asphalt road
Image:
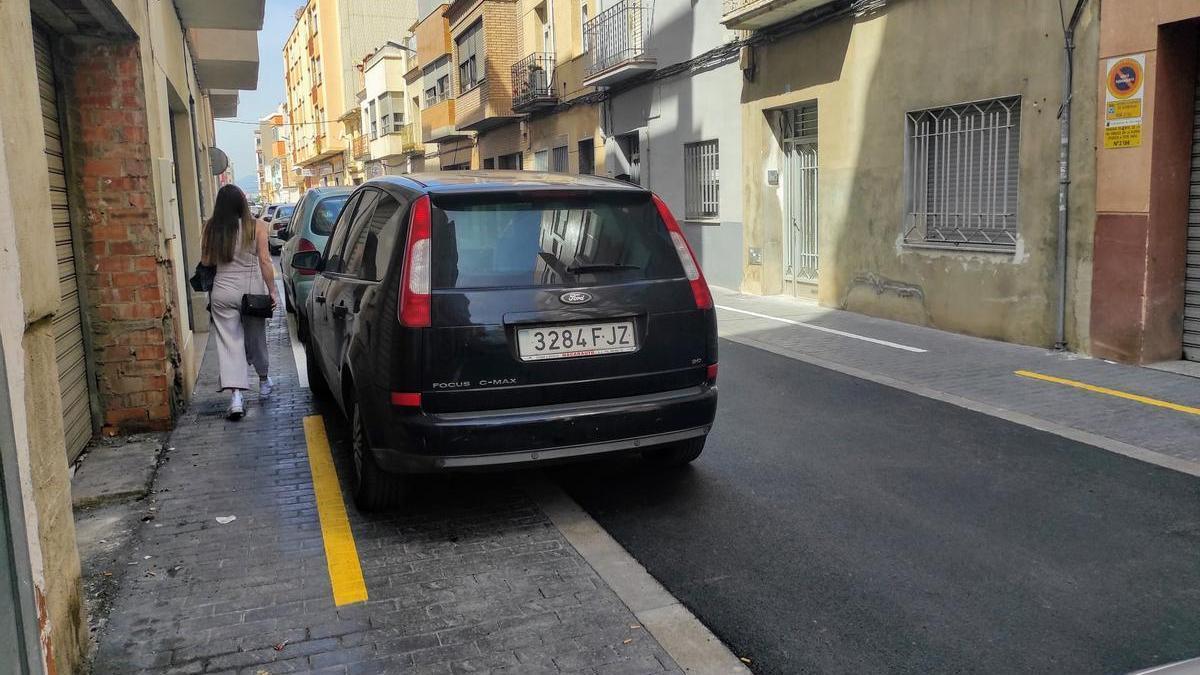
836 525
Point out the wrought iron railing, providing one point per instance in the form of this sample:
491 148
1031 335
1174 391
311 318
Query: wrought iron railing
533 80
618 35
360 148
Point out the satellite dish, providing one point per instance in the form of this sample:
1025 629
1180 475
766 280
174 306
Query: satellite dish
219 161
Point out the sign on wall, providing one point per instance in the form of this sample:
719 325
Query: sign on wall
1125 87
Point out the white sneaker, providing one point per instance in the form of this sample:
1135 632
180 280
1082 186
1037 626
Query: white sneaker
237 408
265 385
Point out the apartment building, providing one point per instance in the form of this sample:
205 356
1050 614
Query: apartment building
455 147
107 170
277 183
321 59
390 112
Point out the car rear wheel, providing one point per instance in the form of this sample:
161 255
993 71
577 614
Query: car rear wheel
287 301
301 328
374 488
675 454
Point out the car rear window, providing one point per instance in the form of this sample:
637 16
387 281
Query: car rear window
587 240
285 211
326 213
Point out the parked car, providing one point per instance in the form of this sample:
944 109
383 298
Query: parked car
269 212
308 230
279 224
470 320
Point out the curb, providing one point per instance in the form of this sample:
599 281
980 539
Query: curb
685 639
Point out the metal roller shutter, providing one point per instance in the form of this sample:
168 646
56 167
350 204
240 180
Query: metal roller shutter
68 327
1191 310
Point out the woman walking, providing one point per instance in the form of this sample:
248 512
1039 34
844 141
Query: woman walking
236 243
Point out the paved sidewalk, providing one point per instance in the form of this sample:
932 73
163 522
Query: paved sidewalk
472 577
984 372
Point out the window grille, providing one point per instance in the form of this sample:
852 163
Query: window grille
701 175
541 160
558 159
961 180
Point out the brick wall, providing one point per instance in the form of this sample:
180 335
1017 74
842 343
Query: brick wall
126 284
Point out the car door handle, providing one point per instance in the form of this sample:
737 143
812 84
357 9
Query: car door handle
340 311
320 299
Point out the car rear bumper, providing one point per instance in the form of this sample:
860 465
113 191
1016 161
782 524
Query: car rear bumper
427 443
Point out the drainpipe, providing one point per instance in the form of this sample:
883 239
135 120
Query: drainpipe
1064 168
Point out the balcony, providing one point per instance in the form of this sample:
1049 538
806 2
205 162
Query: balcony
755 14
360 148
616 41
533 83
438 121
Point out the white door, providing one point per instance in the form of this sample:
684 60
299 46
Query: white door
801 254
71 349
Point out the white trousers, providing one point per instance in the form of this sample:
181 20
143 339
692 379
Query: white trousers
241 340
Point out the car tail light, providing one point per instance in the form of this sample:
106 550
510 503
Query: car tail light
712 373
406 400
691 267
306 245
414 290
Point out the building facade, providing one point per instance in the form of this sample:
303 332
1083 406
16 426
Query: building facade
390 112
321 59
277 183
107 108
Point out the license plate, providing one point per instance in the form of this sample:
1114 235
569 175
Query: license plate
564 342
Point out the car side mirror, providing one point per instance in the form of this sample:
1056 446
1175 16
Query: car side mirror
307 261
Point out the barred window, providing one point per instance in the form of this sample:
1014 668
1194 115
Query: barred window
961 175
701 176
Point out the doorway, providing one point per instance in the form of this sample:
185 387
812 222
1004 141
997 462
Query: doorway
801 240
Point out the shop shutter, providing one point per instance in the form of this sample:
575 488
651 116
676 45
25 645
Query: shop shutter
68 327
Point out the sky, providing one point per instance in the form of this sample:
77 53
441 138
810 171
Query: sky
236 138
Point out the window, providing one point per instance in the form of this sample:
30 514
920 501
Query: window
435 79
470 55
317 70
961 175
325 213
587 157
391 113
367 257
497 241
489 163
374 120
333 250
541 160
558 159
701 179
512 161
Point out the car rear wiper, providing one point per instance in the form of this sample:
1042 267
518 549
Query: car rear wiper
601 267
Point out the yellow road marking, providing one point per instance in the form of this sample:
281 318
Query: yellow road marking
345 572
1110 392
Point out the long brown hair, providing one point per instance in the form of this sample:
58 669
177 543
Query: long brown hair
230 219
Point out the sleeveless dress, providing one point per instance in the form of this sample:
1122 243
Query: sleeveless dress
241 340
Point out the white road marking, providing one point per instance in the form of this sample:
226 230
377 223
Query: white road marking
297 348
885 343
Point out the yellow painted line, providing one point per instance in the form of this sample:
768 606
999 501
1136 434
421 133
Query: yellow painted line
1111 392
345 572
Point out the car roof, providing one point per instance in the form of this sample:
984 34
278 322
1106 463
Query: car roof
326 190
444 182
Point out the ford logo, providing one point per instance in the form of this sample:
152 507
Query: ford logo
576 298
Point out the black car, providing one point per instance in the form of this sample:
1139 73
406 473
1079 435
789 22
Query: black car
466 320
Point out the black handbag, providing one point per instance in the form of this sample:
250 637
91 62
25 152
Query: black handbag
257 305
202 280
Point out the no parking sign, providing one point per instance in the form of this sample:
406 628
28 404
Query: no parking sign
1124 92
